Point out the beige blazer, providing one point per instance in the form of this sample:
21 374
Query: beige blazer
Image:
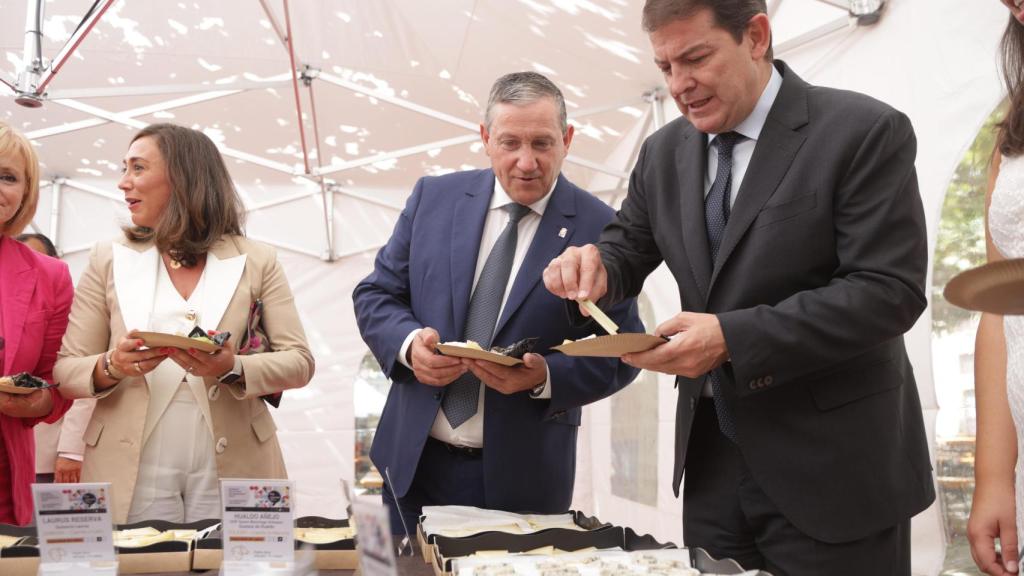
63 437
115 295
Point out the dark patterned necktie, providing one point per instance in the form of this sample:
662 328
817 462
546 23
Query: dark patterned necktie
716 215
460 398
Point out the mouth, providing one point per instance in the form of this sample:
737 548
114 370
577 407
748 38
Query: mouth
132 203
697 105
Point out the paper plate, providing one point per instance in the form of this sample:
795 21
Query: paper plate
161 340
996 287
611 346
473 353
7 385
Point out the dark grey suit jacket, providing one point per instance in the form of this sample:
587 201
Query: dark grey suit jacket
820 273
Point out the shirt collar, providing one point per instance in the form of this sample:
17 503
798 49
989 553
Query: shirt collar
501 198
752 125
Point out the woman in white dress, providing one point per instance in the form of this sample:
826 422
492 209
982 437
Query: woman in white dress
998 509
169 422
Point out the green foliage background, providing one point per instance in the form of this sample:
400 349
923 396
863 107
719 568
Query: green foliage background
961 238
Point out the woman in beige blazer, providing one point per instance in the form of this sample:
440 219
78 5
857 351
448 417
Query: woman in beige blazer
168 422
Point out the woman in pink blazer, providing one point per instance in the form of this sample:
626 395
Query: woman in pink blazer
35 300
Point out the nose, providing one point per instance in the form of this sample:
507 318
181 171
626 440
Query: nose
527 161
679 81
123 183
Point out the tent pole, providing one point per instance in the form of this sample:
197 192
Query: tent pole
55 191
274 24
326 195
295 86
138 125
32 56
400 153
72 44
133 113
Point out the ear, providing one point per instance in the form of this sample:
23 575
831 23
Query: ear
759 31
484 136
567 139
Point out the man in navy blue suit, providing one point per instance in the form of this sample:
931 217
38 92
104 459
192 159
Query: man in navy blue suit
465 262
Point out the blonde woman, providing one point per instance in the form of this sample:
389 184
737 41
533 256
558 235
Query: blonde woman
35 297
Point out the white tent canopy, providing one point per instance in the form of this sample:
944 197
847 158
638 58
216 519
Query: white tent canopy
385 92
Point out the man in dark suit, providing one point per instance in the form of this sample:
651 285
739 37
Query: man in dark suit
464 263
790 218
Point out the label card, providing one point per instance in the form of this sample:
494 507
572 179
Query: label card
258 520
74 521
376 550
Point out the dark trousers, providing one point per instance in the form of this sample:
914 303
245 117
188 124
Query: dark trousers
44 478
443 477
726 513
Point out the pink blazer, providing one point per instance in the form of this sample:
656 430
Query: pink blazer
35 296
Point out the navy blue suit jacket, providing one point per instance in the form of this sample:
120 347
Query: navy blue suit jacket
423 278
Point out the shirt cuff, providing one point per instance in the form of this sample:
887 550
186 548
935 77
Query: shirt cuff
545 392
403 351
71 456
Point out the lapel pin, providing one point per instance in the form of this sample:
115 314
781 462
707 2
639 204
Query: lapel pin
561 233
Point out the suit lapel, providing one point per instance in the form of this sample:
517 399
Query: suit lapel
467 226
691 164
18 279
776 148
135 275
547 243
224 267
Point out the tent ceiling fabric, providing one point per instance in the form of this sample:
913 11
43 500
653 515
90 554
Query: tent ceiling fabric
438 58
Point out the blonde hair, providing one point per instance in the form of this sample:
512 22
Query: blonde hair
13 143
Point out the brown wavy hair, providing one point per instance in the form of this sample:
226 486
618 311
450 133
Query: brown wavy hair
204 205
1011 129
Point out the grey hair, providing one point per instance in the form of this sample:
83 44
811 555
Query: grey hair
521 88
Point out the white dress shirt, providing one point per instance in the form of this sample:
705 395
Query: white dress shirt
742 151
471 432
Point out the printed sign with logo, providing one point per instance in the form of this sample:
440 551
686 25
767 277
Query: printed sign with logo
74 522
376 550
258 520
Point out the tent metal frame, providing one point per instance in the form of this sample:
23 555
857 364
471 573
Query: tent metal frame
30 89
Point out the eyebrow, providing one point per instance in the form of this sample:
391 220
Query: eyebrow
133 159
684 53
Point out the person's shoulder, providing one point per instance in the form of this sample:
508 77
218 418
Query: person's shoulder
53 268
461 178
672 131
586 201
253 249
840 102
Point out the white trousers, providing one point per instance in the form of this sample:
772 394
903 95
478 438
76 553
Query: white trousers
178 469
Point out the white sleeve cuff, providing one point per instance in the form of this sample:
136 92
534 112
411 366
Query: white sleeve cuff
545 392
71 456
404 350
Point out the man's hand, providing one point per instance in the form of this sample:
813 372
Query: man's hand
577 274
33 405
67 471
511 379
991 519
697 347
430 368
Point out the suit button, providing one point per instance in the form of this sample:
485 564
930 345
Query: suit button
437 395
693 404
222 445
213 393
